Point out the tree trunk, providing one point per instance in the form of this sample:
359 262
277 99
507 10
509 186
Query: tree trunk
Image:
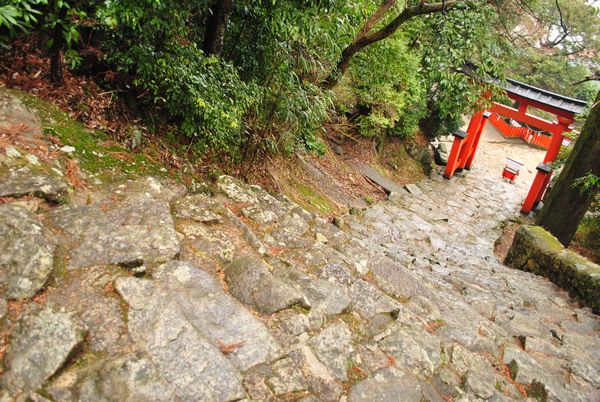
216 27
365 37
56 67
567 203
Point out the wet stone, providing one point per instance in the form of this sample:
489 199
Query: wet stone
220 317
333 347
181 353
199 208
413 349
296 324
251 281
129 378
368 301
287 375
259 215
389 384
27 255
324 297
25 180
83 293
236 191
136 231
38 347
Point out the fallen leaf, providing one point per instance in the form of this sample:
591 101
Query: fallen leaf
227 348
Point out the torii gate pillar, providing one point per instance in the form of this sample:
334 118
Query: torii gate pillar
544 174
465 144
564 108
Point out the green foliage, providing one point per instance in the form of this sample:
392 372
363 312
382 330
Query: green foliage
556 45
459 51
283 47
588 234
384 80
68 24
263 93
19 15
203 95
590 183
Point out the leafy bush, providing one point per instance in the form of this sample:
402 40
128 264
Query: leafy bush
459 51
203 95
385 81
19 15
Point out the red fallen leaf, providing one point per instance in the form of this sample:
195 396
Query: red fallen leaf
73 173
227 348
391 361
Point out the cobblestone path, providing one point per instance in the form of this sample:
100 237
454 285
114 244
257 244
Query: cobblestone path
155 294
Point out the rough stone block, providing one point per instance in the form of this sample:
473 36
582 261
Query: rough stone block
535 250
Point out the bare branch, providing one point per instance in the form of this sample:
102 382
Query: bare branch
377 16
593 77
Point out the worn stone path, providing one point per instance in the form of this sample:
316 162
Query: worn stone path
145 292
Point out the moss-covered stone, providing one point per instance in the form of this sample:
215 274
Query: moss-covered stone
95 153
535 250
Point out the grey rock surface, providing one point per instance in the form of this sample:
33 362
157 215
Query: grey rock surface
39 346
388 385
27 255
128 378
413 350
138 230
406 302
333 347
187 360
287 375
19 181
251 281
220 317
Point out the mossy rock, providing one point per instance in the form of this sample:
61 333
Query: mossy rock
535 250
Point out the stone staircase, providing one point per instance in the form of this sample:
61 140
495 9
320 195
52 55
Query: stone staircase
139 291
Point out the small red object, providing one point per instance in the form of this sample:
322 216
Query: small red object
511 170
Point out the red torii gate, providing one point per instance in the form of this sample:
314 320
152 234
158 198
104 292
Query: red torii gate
565 108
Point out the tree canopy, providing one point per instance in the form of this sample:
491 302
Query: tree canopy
244 77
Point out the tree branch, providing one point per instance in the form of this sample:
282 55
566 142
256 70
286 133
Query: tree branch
363 40
377 16
593 77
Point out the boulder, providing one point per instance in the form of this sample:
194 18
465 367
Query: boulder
38 347
180 351
333 347
27 255
251 281
20 181
138 230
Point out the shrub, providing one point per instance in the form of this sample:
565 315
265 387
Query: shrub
203 95
386 84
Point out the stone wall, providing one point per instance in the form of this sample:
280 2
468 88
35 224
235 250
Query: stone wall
535 250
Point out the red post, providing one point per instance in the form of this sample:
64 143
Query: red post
453 158
468 143
469 161
557 139
542 178
543 189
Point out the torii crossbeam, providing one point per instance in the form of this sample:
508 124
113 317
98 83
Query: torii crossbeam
564 108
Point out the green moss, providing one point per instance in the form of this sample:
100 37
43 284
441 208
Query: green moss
60 265
538 391
353 323
513 369
314 199
93 154
544 238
